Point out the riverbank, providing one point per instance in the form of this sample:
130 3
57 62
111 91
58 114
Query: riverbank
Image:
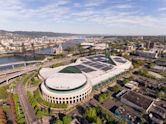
6 55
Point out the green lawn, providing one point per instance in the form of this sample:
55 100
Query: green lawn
38 98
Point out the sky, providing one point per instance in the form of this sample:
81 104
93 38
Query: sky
112 17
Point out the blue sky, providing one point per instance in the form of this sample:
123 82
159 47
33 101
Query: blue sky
124 17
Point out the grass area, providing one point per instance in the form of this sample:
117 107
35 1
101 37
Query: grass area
37 96
36 101
31 78
19 111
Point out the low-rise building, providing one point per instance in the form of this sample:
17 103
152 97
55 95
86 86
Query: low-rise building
155 120
132 85
161 62
94 45
147 54
128 114
100 46
150 83
158 68
137 101
158 110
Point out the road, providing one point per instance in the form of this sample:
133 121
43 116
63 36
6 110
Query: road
27 108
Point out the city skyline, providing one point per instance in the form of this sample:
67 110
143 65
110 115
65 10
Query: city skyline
115 17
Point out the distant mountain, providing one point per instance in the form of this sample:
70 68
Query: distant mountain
37 34
3 32
40 34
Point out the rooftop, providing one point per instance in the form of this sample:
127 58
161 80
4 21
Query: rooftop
96 68
70 69
138 99
65 81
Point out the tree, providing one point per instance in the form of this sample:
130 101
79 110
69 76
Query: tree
2 116
103 97
33 49
98 120
91 114
143 72
12 108
58 122
67 119
23 48
163 89
115 89
90 51
138 62
125 81
160 94
80 49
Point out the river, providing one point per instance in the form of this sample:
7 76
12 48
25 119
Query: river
10 59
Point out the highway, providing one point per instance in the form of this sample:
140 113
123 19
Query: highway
10 74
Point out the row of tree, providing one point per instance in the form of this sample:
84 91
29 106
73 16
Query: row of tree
2 116
65 120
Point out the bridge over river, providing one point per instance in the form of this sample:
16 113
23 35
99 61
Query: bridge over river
14 65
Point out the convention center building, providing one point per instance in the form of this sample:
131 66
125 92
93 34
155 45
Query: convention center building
73 83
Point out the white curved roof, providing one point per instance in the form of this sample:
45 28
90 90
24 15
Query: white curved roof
64 81
46 72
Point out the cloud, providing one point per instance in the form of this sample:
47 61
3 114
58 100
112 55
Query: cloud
108 13
123 6
77 5
162 9
94 3
17 9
